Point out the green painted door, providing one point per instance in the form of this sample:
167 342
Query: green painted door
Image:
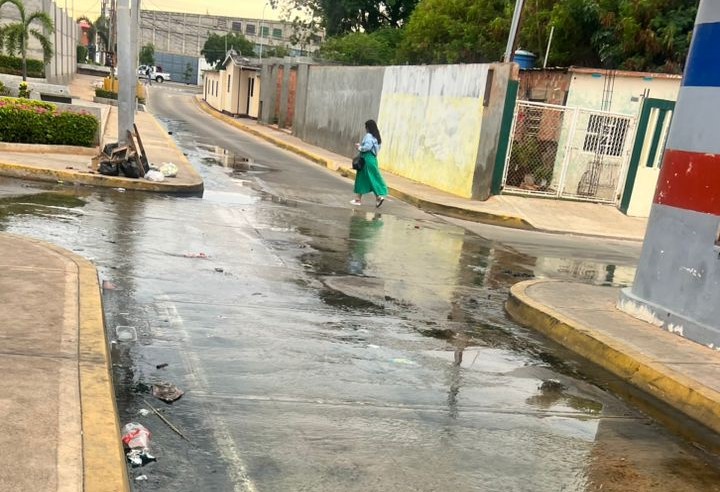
652 128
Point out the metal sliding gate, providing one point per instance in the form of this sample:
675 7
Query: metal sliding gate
567 152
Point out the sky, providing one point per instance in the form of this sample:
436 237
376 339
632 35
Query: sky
232 8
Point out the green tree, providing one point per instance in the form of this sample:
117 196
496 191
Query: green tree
647 35
338 17
359 48
147 54
216 47
275 51
456 31
98 34
187 75
82 53
17 35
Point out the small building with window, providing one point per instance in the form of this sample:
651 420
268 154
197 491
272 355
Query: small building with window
594 134
234 90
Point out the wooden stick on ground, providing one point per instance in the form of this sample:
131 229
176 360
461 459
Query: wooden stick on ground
162 417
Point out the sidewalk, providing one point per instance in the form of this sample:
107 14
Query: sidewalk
559 216
73 164
60 427
584 319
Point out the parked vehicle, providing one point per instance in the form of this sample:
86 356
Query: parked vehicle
156 73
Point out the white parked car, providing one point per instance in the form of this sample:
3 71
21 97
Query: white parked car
155 74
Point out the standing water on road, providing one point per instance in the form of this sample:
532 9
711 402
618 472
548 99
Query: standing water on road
324 348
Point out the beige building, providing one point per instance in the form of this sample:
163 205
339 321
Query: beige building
185 34
234 90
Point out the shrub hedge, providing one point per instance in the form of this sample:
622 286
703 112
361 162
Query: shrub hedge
13 65
112 95
37 122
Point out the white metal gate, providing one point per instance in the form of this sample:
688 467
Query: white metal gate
567 152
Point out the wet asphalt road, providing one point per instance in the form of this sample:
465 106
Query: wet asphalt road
327 348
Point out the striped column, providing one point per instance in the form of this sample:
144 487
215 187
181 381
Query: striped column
677 285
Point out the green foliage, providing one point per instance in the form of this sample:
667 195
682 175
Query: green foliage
275 51
13 65
82 53
359 48
456 31
4 91
105 94
147 54
339 17
24 90
16 35
187 75
98 34
102 93
216 47
35 122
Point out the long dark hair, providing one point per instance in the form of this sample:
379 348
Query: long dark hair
372 129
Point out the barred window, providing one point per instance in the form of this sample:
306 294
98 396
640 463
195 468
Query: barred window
606 134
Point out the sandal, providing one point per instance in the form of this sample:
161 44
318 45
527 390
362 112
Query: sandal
357 203
380 200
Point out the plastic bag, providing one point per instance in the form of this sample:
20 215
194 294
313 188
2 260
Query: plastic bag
136 437
109 169
169 169
156 176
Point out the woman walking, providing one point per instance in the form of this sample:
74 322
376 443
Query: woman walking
368 179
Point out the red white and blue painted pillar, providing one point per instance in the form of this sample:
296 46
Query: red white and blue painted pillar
677 284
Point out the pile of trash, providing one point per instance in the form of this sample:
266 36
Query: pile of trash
131 161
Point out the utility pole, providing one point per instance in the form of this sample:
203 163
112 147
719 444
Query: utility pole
126 73
514 29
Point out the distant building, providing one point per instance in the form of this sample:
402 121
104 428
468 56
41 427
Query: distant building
185 34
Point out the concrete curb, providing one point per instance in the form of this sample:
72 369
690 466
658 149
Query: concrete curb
48 149
688 396
429 206
104 468
32 173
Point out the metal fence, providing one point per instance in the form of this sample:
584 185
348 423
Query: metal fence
568 152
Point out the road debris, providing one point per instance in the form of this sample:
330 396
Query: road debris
167 392
162 366
155 176
197 255
136 438
141 478
167 422
126 333
144 412
219 270
107 285
169 169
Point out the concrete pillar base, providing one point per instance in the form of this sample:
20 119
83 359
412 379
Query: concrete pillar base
667 320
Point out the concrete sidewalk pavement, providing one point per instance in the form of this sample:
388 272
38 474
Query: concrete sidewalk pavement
60 428
73 164
559 216
584 318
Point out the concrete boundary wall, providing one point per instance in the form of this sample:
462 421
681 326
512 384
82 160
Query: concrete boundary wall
338 101
441 125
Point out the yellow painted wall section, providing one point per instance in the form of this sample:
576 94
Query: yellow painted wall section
430 119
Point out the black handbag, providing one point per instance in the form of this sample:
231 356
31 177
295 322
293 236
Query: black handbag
358 162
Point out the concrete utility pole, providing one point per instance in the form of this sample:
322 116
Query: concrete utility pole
677 284
126 72
514 29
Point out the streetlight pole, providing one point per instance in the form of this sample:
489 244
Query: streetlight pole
126 75
262 21
514 28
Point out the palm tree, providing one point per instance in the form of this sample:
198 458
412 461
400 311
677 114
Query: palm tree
17 34
99 31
